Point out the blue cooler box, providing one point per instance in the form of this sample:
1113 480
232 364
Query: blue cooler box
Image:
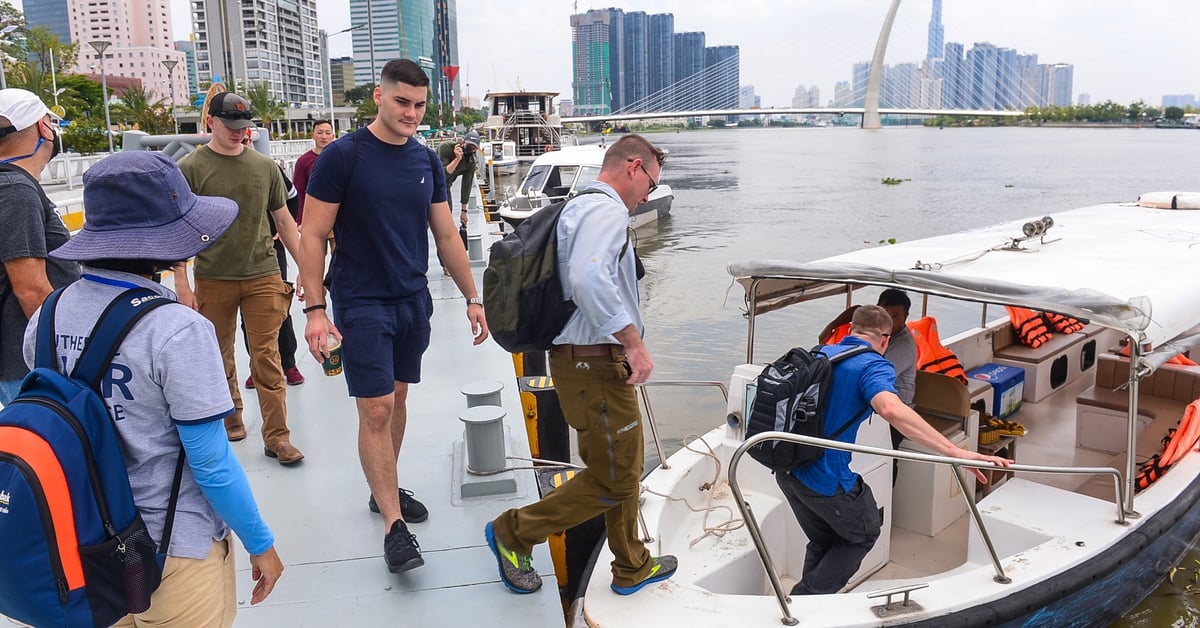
1008 384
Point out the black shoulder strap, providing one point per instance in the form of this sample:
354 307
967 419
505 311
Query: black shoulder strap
848 353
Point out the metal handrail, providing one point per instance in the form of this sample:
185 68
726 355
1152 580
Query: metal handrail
956 463
662 458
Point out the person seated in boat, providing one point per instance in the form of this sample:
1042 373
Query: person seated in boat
902 349
832 504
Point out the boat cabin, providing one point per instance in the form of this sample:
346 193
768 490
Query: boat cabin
526 118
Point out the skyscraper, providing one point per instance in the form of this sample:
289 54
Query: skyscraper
342 71
139 34
722 76
689 71
934 47
637 59
188 49
660 61
1060 83
616 57
954 77
445 48
274 42
395 29
591 85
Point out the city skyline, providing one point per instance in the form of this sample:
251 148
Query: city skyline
788 43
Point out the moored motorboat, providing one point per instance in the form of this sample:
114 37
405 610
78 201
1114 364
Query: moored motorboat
1065 539
563 173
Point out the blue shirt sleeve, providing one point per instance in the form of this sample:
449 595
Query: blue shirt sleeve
223 482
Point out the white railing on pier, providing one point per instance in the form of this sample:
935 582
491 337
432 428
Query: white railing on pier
67 168
289 149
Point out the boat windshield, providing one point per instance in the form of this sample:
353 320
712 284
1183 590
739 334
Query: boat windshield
535 180
587 174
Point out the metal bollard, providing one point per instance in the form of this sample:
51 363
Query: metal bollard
475 249
483 393
484 439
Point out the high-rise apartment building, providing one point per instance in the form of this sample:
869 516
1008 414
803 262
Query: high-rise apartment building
138 34
188 49
954 77
396 29
275 42
637 59
590 60
722 75
688 90
616 57
341 77
1060 79
660 59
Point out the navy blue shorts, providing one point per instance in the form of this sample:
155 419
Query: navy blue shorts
382 343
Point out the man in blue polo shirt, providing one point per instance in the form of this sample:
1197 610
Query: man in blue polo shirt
833 505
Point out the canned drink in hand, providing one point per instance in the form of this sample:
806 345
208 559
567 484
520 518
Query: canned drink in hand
332 364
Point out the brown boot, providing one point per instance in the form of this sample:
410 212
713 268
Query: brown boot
284 451
236 430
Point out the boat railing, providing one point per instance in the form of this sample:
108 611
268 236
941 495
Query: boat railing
662 458
956 464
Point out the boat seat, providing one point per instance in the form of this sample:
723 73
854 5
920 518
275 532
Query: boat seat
1056 363
1102 410
942 401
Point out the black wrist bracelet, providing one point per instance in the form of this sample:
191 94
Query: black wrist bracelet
319 306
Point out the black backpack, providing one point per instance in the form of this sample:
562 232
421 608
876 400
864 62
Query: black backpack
791 397
522 290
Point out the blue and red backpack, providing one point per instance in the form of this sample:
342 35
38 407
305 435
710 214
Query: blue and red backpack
76 551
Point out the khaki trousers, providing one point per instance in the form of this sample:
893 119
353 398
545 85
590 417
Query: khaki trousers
604 411
193 594
264 303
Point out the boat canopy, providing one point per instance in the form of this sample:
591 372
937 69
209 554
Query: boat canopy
1117 265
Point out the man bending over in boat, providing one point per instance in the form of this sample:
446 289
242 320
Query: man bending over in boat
832 503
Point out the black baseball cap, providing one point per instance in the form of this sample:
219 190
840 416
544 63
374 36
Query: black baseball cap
232 109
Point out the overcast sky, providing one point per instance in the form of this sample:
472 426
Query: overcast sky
1122 50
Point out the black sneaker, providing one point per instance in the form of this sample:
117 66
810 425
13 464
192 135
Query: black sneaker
401 550
412 510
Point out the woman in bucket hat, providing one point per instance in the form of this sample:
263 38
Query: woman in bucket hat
167 385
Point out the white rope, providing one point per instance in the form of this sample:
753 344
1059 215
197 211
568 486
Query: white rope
721 529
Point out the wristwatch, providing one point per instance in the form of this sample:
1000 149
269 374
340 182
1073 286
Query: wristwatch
474 301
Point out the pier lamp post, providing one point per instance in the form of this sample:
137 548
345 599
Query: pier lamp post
169 64
329 70
100 46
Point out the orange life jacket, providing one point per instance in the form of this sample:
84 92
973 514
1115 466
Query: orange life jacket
1176 445
1180 359
1030 326
931 355
1063 324
839 332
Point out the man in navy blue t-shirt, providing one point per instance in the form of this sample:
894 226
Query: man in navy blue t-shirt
833 505
380 194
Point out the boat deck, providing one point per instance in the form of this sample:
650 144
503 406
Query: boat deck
332 545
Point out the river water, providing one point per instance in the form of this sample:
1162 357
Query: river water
807 193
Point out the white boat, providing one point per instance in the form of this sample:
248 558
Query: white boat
562 173
1064 540
500 155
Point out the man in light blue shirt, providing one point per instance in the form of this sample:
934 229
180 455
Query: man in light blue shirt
596 361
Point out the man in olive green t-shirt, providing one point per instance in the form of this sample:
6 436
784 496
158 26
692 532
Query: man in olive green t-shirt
240 270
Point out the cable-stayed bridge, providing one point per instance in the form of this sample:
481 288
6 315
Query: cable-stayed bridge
936 89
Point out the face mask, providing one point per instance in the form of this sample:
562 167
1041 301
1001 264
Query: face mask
57 144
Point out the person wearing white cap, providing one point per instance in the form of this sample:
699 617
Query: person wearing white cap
31 227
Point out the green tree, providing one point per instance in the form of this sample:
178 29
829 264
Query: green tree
81 97
1173 113
366 110
266 108
85 136
358 95
470 117
136 109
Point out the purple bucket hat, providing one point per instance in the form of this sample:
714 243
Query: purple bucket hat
137 205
